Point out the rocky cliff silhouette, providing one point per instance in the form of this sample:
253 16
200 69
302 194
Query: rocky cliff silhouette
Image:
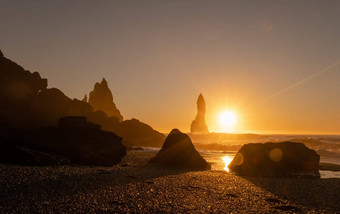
198 126
134 132
101 99
27 103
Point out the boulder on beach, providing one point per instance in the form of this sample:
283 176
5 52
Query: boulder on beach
137 133
23 156
71 122
284 159
179 152
85 143
75 139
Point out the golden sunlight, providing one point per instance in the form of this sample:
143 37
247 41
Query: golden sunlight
226 159
227 120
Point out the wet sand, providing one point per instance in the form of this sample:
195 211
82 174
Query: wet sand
134 186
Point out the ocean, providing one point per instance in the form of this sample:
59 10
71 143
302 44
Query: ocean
220 148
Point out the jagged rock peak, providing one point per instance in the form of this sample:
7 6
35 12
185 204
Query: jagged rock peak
84 99
1 54
198 125
101 99
104 82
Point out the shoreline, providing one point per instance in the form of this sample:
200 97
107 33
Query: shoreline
135 186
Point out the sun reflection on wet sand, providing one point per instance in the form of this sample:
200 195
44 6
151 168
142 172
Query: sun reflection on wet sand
226 159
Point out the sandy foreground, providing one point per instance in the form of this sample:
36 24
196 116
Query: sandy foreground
133 186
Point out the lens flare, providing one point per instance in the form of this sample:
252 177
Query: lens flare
276 155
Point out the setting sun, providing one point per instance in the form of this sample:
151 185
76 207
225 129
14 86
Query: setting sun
227 120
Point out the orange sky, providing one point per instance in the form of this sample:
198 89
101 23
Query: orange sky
273 62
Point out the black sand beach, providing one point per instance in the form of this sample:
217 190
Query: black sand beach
133 186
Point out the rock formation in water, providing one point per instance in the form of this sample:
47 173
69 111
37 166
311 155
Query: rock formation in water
101 99
285 159
198 126
179 152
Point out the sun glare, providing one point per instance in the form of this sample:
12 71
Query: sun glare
226 159
227 120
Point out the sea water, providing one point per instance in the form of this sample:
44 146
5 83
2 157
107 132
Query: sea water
327 146
219 148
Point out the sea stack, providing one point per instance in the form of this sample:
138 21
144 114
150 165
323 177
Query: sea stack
198 126
101 99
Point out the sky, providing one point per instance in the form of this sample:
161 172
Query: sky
274 63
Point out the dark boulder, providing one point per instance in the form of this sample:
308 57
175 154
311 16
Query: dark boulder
75 139
284 159
85 143
23 156
137 133
72 122
179 152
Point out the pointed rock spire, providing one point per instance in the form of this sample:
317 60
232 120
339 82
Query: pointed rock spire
84 99
198 125
1 54
101 99
104 83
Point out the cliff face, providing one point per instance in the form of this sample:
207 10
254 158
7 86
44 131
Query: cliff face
29 114
198 126
18 84
101 99
134 132
26 102
19 89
